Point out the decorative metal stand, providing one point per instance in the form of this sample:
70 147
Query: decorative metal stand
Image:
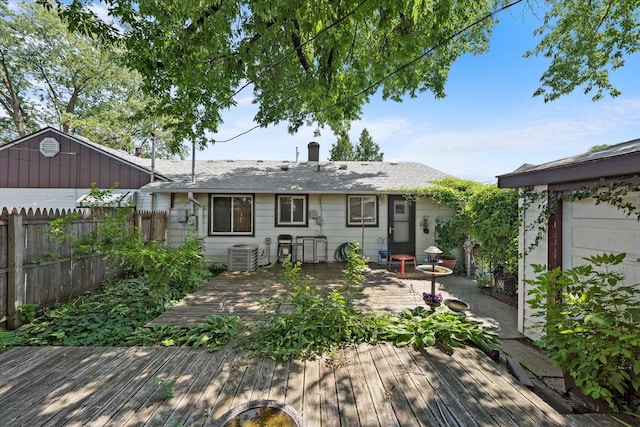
432 269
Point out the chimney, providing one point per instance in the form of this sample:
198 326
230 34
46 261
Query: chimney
314 153
138 151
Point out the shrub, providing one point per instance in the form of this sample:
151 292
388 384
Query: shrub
444 329
305 322
591 328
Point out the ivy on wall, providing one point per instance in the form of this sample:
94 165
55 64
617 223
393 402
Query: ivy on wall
612 192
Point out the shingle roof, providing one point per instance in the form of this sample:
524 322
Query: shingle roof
271 176
303 177
590 156
614 160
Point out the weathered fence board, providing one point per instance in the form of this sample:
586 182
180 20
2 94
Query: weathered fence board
36 268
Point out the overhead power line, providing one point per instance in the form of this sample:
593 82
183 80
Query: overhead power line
377 83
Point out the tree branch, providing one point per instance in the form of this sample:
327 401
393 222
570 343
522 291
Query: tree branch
200 21
297 44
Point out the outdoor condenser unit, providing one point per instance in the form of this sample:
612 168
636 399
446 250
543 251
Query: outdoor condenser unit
242 258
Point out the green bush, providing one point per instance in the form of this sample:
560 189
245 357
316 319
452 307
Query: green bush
104 318
444 329
495 228
213 334
591 329
177 268
112 315
305 321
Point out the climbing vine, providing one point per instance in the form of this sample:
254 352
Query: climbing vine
484 213
613 193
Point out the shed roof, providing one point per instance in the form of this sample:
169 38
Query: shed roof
229 176
621 159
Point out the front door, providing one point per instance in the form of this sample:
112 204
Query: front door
402 226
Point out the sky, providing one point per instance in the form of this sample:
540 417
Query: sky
489 124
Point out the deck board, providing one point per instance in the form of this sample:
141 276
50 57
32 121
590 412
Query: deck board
366 385
360 387
345 392
329 408
423 392
382 405
311 403
387 371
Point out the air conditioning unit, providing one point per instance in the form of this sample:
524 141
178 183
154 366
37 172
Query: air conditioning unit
242 258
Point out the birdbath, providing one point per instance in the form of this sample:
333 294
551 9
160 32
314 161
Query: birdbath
431 268
261 413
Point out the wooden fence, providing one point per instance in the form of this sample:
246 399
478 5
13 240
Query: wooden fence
36 268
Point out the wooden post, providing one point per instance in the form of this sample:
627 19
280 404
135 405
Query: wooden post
17 290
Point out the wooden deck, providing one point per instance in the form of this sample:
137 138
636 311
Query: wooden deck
241 293
365 386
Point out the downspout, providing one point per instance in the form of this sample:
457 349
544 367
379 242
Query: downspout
190 195
195 203
153 169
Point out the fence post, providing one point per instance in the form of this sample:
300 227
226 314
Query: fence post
16 291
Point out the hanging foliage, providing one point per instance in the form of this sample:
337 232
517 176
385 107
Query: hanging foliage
612 192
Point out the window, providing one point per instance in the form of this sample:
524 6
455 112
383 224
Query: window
362 210
231 214
291 210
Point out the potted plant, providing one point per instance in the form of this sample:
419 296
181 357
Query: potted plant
432 300
450 236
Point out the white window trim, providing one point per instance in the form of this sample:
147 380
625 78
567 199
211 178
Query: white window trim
305 201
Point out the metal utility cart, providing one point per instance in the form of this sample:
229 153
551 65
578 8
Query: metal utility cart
314 248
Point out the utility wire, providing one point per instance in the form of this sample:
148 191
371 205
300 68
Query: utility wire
299 47
273 65
385 77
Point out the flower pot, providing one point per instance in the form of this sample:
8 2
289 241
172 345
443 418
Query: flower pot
432 300
456 305
449 262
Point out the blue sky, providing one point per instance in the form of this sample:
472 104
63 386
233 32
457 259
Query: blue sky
488 125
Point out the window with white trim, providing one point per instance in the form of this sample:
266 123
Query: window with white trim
291 210
362 210
231 214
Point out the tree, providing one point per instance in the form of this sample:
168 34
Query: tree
14 84
585 42
307 61
321 61
54 77
342 150
367 150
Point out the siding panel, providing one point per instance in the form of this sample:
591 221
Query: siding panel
526 319
331 208
594 229
77 165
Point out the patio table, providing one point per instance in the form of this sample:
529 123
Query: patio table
402 258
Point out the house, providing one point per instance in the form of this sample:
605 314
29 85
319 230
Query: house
52 169
578 228
317 206
320 205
